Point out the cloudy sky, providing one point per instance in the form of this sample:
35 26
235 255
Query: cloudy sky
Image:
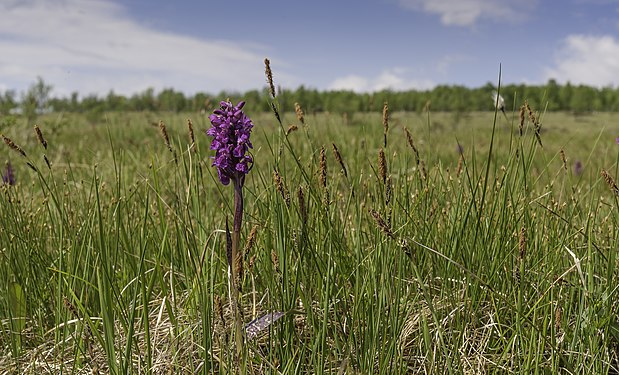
94 46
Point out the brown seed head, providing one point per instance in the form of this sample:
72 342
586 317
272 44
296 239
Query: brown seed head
338 157
299 111
70 307
530 112
276 112
49 165
192 137
558 313
563 159
422 170
219 310
382 165
279 185
323 168
251 240
610 181
522 117
164 134
409 138
269 75
385 122
302 207
388 190
13 146
426 107
42 140
381 224
460 164
250 265
522 242
277 179
291 129
238 270
275 261
538 130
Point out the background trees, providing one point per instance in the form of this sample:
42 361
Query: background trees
452 98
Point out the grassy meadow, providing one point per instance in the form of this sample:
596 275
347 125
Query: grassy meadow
468 248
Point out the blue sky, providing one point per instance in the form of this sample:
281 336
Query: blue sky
94 46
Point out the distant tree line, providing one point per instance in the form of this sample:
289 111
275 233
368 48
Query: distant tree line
454 98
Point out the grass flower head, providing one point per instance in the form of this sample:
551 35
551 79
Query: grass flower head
230 130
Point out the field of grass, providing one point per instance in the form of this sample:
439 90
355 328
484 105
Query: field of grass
501 259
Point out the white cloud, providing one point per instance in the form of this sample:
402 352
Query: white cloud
351 82
393 79
586 59
469 12
92 46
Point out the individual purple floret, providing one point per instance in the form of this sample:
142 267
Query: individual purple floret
9 176
230 131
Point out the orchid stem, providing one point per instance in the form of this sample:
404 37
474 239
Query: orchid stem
235 267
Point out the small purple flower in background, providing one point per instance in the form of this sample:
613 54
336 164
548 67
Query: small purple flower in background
230 131
578 168
617 140
8 177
